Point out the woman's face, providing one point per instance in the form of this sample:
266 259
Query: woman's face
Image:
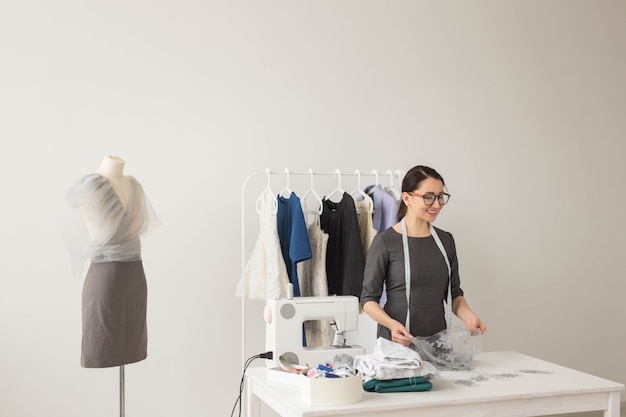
414 200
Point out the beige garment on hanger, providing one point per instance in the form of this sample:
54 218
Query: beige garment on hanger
366 224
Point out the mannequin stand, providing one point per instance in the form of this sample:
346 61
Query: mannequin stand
122 396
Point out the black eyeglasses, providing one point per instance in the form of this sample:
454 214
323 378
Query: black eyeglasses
429 199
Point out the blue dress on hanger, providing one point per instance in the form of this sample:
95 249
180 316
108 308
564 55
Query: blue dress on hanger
293 236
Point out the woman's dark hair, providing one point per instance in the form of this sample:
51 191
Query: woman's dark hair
412 181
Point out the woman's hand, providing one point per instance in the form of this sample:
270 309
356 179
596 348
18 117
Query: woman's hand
400 334
473 322
462 311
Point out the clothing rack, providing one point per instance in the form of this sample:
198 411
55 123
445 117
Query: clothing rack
391 175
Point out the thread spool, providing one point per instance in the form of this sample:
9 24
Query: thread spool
289 291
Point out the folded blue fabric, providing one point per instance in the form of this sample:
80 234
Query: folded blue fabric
417 383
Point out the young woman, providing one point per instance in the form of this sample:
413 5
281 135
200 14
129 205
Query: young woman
429 277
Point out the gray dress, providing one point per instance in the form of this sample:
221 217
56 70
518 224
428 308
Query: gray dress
114 315
429 280
114 297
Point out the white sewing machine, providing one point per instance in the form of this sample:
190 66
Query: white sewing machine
284 335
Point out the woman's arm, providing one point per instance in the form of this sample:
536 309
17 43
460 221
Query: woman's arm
462 310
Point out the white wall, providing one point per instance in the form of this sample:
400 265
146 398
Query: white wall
519 104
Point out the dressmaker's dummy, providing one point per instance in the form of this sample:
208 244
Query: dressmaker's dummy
114 213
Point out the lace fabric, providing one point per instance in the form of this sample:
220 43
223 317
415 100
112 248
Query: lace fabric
450 349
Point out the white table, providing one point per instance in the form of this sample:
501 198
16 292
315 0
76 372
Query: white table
500 384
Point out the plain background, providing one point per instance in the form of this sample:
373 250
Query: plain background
520 105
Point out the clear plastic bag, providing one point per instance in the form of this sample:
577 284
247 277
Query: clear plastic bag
452 349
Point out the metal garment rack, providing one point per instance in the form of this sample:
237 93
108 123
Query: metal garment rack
391 175
122 393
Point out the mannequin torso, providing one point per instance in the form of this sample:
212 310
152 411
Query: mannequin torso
112 168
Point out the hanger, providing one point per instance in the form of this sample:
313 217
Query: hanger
337 190
391 183
376 183
391 188
375 172
267 193
358 192
311 192
286 192
400 175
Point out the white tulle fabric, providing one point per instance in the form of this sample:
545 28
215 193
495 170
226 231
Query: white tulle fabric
102 229
265 272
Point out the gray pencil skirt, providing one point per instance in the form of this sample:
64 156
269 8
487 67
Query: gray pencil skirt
114 315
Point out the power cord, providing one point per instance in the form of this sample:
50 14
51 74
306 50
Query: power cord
266 355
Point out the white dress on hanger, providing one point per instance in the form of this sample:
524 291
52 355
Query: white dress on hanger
312 272
265 272
314 283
